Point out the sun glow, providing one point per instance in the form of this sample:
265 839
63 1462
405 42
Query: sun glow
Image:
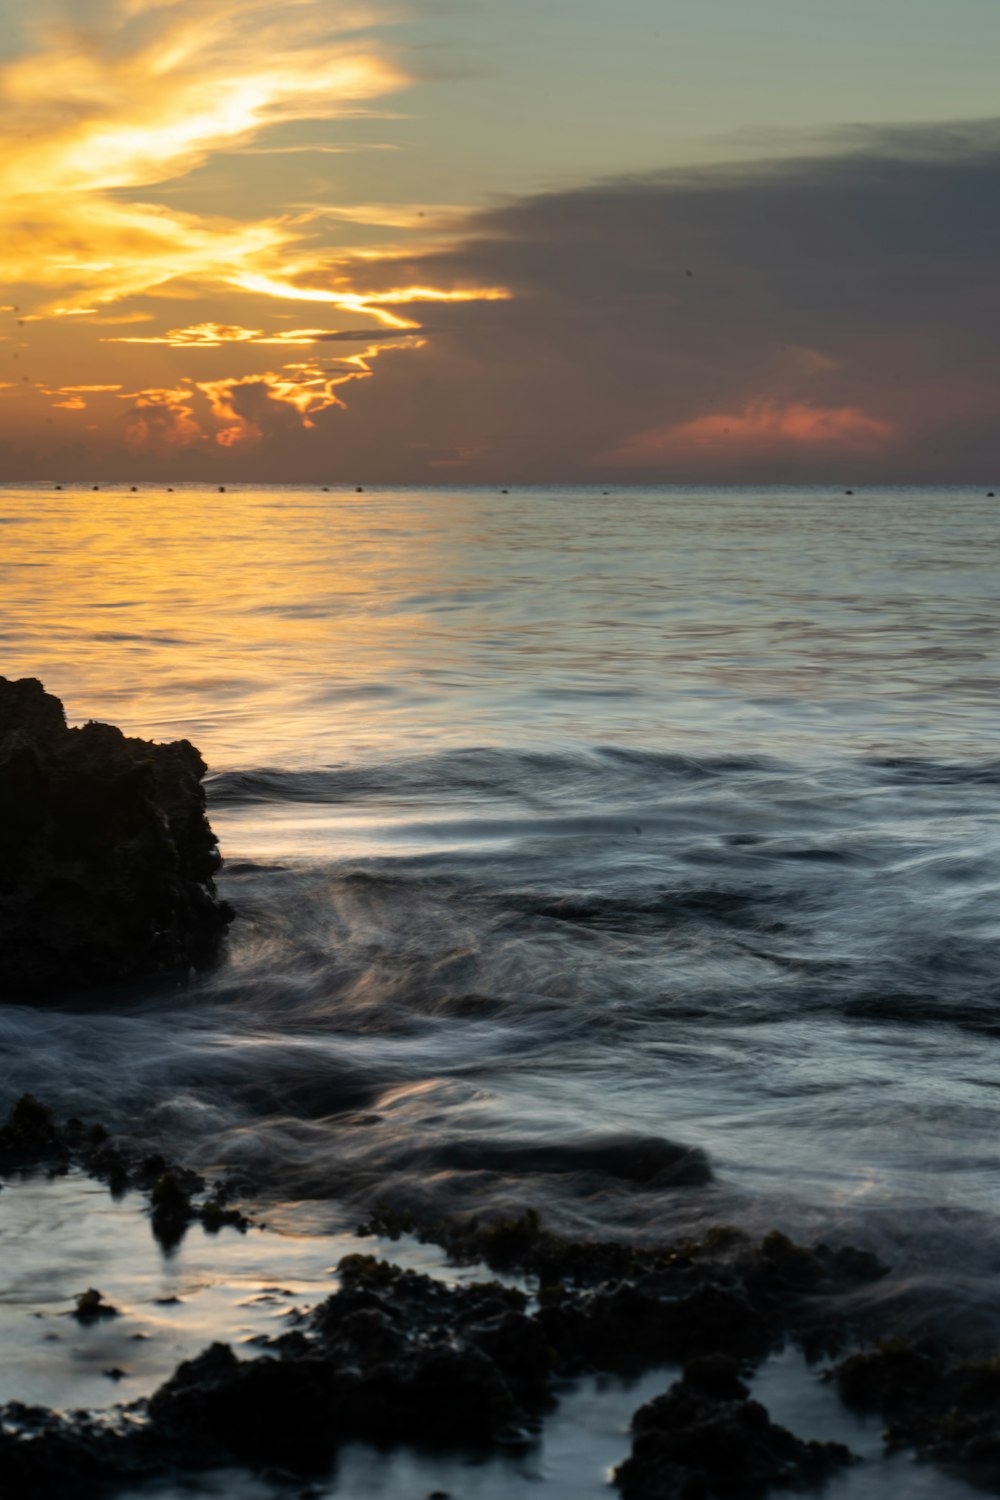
101 121
369 304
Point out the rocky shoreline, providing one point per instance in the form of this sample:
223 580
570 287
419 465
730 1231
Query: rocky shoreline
394 1356
107 860
107 866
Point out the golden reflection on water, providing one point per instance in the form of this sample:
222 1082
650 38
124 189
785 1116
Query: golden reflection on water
253 624
284 627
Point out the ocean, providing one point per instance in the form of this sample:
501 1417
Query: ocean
560 824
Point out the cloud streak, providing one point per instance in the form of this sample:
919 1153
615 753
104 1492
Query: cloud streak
94 119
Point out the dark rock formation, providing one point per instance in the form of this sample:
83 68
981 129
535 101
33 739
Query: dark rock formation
395 1356
392 1357
706 1437
106 856
947 1412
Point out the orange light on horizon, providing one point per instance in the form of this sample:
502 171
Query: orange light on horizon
762 424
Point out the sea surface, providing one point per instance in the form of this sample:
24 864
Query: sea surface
560 824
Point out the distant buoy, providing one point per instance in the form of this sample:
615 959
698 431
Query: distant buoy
222 489
848 492
505 492
326 489
95 486
990 495
170 489
135 489
58 486
358 490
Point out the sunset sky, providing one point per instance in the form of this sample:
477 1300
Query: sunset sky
460 241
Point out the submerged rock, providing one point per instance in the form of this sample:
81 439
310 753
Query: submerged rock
91 1307
106 856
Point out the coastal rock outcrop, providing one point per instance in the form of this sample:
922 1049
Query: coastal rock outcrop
706 1437
106 856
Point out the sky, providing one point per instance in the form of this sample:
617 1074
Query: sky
459 241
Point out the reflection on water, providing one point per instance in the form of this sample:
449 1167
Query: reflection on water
60 1236
282 627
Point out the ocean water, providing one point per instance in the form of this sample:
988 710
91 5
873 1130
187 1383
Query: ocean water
559 825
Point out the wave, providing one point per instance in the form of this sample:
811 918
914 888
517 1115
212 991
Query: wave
532 977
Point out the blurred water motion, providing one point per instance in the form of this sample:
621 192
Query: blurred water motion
558 825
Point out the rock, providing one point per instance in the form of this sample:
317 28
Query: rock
643 1160
622 1326
891 1379
31 1126
172 1209
106 856
706 1437
949 1414
257 1411
422 1362
39 1449
91 1307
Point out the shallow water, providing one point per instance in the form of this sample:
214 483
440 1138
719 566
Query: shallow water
557 820
60 1236
581 1442
57 1236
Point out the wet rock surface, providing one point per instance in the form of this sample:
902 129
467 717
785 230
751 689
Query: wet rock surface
391 1357
613 1305
33 1140
106 856
705 1437
947 1412
395 1356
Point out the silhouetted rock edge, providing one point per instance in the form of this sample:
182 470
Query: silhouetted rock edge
107 859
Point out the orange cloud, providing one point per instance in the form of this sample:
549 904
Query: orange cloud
213 335
161 421
250 407
110 107
95 113
95 118
197 336
761 425
370 304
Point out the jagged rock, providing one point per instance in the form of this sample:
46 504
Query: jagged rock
948 1413
705 1437
106 856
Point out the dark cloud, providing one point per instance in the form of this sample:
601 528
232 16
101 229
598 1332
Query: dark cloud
861 286
829 318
